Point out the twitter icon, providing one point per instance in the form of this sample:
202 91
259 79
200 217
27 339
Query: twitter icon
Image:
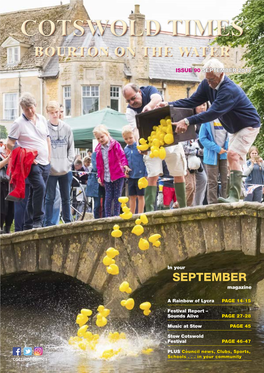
27 351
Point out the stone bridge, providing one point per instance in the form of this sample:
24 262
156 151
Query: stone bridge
210 238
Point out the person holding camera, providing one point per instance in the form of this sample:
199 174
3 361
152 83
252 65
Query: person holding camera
255 176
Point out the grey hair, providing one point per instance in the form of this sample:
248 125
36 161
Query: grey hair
27 100
134 86
214 66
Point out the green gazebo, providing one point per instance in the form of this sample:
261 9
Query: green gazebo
83 126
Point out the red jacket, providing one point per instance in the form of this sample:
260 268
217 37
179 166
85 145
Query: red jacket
19 167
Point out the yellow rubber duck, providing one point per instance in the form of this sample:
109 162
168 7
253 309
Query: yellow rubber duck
142 183
143 244
81 319
113 269
154 237
143 147
143 219
147 351
146 308
129 303
101 321
107 261
138 221
124 287
116 231
138 230
146 312
114 337
126 215
107 354
82 330
112 252
162 153
157 243
88 336
142 141
168 139
82 346
105 312
86 312
123 199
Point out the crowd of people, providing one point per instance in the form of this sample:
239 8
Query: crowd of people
204 170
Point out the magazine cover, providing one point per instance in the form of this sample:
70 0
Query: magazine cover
132 174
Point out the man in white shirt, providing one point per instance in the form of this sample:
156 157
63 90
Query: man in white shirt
30 131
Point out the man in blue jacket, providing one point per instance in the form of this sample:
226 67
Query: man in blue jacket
234 110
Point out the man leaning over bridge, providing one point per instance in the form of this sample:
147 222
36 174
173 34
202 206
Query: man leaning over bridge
234 110
145 99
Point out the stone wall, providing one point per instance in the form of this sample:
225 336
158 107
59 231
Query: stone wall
77 249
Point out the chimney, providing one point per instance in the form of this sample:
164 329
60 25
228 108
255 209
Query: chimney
136 42
73 3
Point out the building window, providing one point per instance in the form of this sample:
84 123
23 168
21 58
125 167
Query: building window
13 55
90 99
115 98
10 106
67 100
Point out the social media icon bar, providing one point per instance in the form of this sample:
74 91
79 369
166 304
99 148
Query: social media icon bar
27 351
16 351
38 351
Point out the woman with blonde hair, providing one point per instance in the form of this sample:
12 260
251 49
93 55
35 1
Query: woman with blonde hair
255 176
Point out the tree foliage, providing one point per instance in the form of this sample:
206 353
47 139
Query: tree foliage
252 22
3 132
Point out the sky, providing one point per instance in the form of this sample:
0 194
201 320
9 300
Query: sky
160 10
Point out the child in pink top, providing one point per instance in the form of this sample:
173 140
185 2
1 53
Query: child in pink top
111 166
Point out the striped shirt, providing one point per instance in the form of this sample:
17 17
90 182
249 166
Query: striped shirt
105 149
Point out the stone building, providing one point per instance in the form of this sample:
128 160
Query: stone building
88 71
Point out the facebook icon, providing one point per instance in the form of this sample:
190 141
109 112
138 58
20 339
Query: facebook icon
16 351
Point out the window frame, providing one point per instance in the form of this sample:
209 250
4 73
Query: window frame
12 50
16 104
82 96
118 99
64 101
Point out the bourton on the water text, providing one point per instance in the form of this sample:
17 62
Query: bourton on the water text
120 28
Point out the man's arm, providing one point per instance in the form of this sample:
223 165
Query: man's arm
71 148
49 146
10 143
155 100
131 117
197 98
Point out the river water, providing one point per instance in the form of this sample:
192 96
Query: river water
41 311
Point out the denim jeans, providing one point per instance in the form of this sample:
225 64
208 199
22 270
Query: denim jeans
37 179
65 185
56 207
20 210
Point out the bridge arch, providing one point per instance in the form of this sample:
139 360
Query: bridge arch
78 249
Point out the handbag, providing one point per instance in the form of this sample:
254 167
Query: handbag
4 178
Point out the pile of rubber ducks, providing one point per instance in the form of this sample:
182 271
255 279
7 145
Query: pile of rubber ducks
160 135
109 261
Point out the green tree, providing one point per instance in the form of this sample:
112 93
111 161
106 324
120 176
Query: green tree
3 132
252 22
